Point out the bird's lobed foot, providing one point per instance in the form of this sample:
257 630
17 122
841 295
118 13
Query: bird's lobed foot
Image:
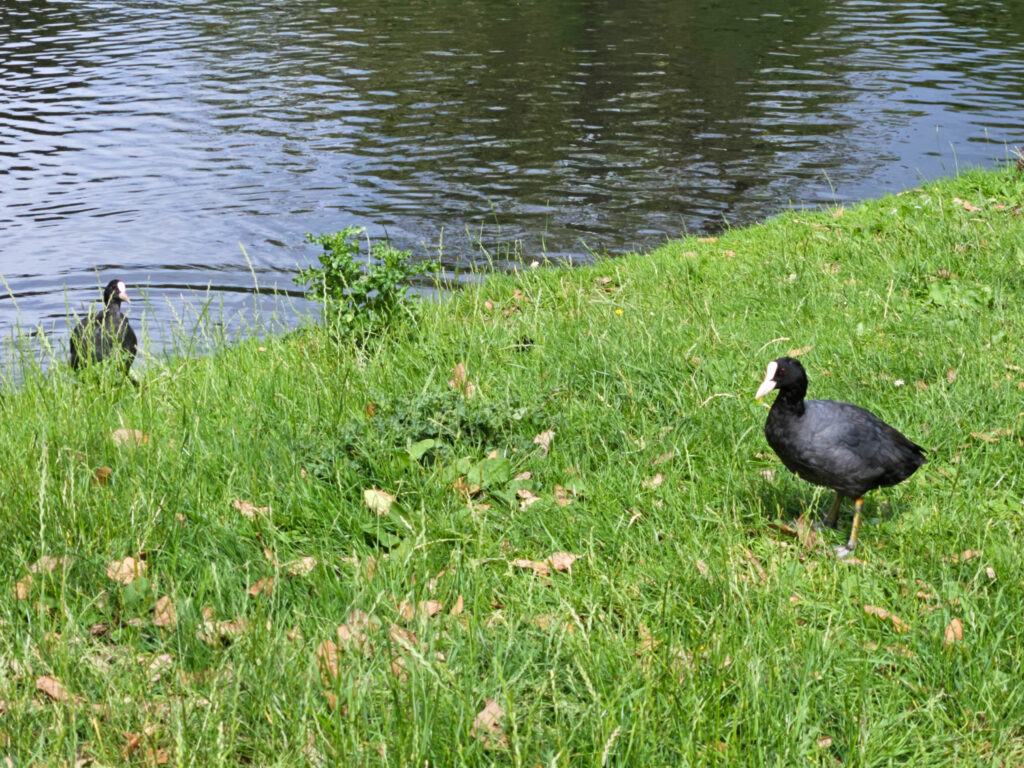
843 551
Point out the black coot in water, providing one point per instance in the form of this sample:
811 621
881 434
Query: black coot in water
107 334
838 445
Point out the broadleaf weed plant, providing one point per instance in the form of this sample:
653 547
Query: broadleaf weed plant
360 297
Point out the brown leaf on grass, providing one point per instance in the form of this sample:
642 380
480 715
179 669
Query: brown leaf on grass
838 212
663 458
129 437
489 305
164 614
248 509
966 205
653 482
464 488
991 573
562 496
984 437
23 588
824 742
378 501
541 569
302 567
354 632
963 557
806 533
430 607
526 497
126 571
102 476
327 660
707 239
754 561
954 632
402 637
562 561
897 623
47 564
55 689
702 569
156 666
460 381
261 586
800 351
216 632
487 727
544 441
370 409
458 607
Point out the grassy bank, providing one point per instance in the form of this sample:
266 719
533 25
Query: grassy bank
307 628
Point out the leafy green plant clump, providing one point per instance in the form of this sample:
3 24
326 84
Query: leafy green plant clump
358 298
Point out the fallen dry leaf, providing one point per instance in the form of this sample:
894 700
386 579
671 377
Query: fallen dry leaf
378 501
991 573
541 569
458 607
157 666
102 476
402 637
824 741
663 458
126 571
800 351
216 632
23 588
562 561
898 624
430 607
707 239
653 482
562 496
55 689
130 437
954 632
544 441
806 533
248 509
302 567
487 726
46 564
703 570
966 205
261 586
164 614
526 497
460 381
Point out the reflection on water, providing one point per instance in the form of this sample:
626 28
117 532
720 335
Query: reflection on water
150 139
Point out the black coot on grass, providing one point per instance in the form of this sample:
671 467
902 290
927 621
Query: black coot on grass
838 445
107 334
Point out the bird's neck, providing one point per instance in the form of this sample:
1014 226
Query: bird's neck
791 400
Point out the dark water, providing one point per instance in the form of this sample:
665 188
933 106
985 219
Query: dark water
149 139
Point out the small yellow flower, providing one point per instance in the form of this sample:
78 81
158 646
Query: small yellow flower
618 311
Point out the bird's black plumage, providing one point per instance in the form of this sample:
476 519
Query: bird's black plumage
834 444
106 334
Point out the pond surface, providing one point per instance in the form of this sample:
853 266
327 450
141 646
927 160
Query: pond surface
154 139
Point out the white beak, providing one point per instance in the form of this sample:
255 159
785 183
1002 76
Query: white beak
122 293
769 381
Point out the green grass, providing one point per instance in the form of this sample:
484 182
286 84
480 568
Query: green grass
690 631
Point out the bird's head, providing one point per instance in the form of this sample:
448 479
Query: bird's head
783 373
115 291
